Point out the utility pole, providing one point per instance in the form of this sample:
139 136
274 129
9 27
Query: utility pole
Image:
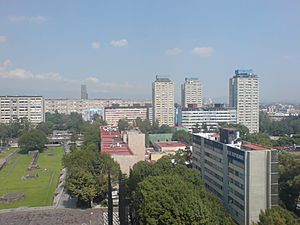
110 202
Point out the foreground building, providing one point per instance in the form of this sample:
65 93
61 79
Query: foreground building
243 176
244 96
163 101
13 108
127 148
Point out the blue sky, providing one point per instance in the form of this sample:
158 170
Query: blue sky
117 47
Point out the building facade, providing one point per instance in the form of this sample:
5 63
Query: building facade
163 101
244 96
209 117
84 94
13 108
191 93
67 106
127 148
112 115
243 176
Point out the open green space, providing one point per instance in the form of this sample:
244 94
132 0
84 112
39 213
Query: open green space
38 191
5 153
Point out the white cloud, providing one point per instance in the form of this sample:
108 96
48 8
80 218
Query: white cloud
19 73
49 76
92 79
27 19
173 51
95 45
5 64
3 39
203 51
119 43
286 57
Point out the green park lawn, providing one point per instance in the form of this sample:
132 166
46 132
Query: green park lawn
5 153
39 191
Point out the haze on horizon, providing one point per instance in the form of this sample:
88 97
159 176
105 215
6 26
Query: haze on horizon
49 48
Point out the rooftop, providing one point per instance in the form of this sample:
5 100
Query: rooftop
170 144
112 143
254 147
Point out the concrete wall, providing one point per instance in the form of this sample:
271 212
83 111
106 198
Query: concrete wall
136 142
126 162
257 184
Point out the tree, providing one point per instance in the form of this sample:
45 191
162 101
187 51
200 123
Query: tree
91 134
183 136
157 196
277 216
3 135
93 166
260 139
83 185
160 200
123 124
32 140
289 180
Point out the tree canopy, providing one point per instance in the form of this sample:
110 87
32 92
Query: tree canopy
277 216
165 193
87 174
289 180
182 136
290 125
32 139
123 124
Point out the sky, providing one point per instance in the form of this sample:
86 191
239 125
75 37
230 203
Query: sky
117 48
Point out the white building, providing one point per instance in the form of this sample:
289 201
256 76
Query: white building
13 108
210 117
191 93
67 106
163 101
244 96
243 176
112 115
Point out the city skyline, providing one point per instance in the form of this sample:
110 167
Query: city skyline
117 49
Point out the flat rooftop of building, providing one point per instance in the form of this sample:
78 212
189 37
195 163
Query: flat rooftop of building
170 144
254 147
112 143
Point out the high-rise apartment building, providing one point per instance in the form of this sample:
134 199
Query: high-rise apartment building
244 96
191 93
13 108
84 93
163 101
243 176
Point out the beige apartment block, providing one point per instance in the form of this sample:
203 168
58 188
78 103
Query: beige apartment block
14 108
163 101
191 93
244 96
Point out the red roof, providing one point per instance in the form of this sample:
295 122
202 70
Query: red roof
112 143
254 147
170 144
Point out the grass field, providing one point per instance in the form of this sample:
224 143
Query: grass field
5 153
39 191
